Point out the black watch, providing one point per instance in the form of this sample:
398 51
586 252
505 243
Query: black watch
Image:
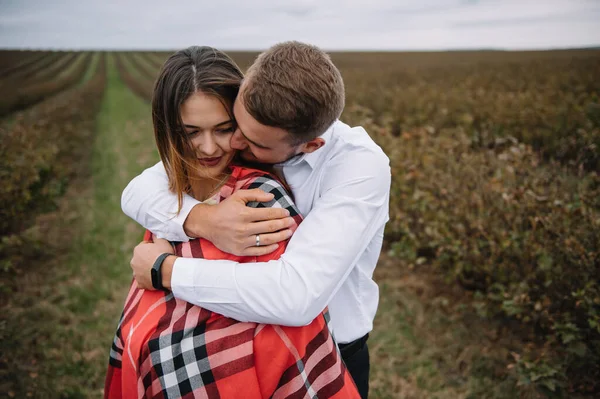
155 273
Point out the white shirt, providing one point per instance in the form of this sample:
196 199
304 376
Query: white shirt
342 190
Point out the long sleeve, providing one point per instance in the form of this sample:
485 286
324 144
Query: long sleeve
351 208
148 200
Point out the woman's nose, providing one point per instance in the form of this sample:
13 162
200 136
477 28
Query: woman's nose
207 146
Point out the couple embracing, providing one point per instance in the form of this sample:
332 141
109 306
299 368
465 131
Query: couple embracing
264 220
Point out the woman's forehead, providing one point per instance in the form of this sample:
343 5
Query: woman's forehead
203 110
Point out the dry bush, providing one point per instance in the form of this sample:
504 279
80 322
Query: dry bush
145 68
59 67
24 95
40 152
15 62
131 77
24 74
521 233
546 99
495 160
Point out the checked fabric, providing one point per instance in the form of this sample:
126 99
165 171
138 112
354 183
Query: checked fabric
168 348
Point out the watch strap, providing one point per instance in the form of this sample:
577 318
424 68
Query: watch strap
155 272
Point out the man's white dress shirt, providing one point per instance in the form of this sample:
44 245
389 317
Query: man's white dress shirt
342 190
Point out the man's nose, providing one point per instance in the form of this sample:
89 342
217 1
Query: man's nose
238 142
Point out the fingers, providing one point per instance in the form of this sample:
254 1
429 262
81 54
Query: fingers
270 226
255 194
260 214
269 239
259 251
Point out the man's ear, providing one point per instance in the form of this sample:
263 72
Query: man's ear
313 145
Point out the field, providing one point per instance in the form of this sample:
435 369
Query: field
489 279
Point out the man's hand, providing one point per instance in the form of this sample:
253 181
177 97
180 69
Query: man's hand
232 226
144 255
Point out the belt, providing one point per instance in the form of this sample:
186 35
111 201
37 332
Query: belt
351 348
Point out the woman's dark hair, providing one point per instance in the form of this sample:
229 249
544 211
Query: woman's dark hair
189 71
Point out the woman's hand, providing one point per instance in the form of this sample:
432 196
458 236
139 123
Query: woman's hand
144 256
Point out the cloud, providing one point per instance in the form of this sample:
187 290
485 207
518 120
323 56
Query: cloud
334 24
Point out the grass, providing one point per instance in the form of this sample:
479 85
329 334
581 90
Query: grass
426 343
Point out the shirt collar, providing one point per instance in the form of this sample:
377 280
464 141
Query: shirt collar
312 158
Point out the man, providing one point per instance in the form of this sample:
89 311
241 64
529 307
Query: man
287 113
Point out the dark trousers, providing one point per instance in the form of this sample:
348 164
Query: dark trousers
356 357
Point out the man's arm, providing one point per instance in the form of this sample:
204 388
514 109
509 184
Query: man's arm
296 288
148 200
230 225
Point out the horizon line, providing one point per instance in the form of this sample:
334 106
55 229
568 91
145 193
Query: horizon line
333 50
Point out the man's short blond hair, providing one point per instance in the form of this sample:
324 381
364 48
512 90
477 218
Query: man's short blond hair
296 87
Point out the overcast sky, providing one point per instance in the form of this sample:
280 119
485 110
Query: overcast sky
335 24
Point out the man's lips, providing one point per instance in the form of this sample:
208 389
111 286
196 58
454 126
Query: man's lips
209 161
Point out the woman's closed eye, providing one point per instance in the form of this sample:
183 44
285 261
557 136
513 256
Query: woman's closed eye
221 130
226 130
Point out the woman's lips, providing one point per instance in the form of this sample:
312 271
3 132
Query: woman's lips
209 161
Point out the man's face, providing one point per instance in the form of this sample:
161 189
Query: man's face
257 142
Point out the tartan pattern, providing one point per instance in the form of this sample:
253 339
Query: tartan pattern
281 197
168 348
317 374
188 357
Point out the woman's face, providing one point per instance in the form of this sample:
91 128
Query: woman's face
209 129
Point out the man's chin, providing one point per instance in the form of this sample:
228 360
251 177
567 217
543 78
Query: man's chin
250 158
251 161
247 156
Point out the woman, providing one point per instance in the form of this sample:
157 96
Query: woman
168 348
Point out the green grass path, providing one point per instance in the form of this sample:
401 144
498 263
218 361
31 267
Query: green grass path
123 148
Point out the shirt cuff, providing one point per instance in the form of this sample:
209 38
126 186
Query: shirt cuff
179 219
204 282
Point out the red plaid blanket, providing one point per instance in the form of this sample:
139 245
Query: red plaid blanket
168 348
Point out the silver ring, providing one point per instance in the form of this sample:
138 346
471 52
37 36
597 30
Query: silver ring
257 240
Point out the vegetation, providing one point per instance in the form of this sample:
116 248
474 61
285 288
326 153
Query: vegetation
490 272
138 84
26 92
39 153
